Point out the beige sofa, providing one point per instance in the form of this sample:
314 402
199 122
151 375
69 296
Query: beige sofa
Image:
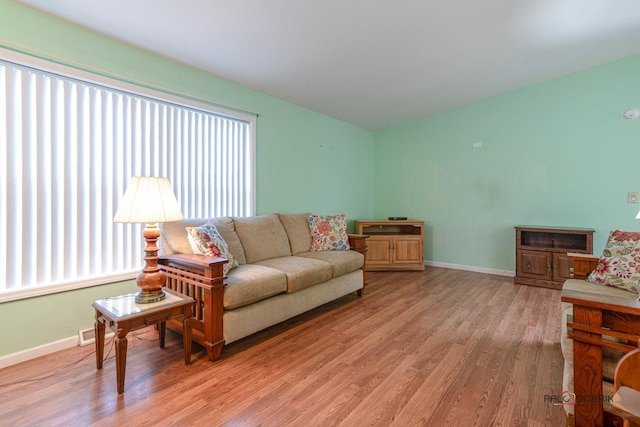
278 276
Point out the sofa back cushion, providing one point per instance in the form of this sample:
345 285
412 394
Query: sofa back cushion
262 237
174 238
618 266
329 232
207 240
298 231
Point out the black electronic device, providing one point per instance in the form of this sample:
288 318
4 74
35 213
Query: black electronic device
397 218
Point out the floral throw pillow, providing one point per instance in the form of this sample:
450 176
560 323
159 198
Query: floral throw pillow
206 240
329 233
619 265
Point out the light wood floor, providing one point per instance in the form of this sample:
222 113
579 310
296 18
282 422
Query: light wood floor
434 348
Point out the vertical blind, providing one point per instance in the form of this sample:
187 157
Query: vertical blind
68 149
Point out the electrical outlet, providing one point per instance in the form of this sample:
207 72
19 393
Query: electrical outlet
633 197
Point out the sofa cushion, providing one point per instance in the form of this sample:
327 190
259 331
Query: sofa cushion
298 231
262 237
301 272
206 240
174 236
619 265
329 233
592 288
342 262
249 283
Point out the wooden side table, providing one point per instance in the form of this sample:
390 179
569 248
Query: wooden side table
123 315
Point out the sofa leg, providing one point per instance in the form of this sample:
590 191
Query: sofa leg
360 292
214 350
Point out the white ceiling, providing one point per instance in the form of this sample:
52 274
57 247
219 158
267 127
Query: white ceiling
372 63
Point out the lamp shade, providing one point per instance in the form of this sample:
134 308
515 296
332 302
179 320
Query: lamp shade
148 199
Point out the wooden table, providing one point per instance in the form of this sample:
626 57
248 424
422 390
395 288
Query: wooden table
593 316
123 314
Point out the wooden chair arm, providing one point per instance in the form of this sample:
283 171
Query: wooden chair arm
583 264
584 257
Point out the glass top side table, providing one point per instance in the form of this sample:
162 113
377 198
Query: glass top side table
123 315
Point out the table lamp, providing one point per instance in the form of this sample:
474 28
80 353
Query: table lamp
149 200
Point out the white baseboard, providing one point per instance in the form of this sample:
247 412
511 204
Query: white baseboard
507 273
42 350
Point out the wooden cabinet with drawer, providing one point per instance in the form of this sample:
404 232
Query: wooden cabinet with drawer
393 244
541 254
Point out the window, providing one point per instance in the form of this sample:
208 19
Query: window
68 148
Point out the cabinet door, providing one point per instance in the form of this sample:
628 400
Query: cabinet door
407 250
534 264
561 267
378 251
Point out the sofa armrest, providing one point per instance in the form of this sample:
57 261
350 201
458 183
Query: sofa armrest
583 264
202 278
358 242
206 266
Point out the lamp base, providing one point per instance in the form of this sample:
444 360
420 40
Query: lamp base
151 278
149 297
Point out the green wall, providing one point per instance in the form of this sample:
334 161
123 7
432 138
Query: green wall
305 161
554 154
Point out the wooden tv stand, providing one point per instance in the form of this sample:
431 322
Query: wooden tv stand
393 245
541 254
